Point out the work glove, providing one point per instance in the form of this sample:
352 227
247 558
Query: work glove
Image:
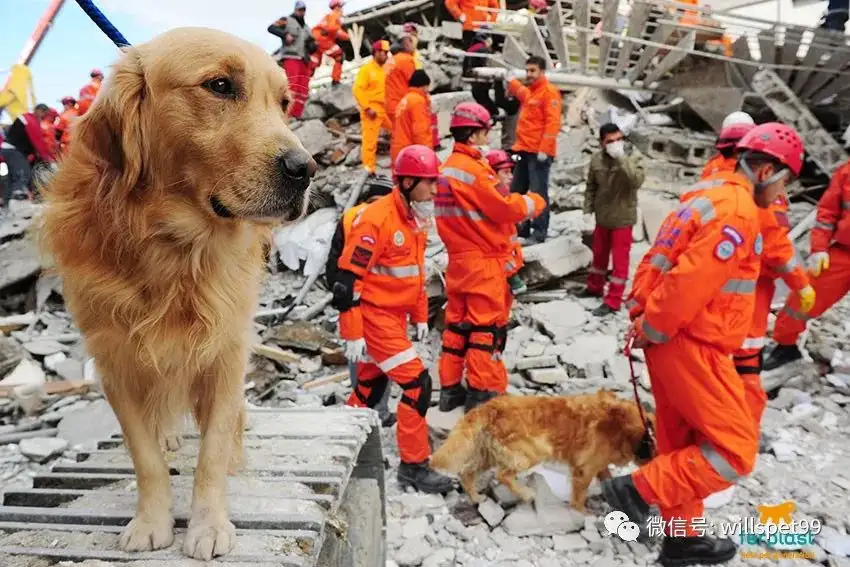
355 350
818 262
807 298
421 331
462 18
542 156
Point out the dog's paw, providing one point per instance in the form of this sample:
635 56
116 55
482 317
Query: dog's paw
148 534
171 443
209 538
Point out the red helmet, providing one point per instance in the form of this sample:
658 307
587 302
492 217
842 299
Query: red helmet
778 141
499 159
69 100
470 114
96 73
732 134
417 161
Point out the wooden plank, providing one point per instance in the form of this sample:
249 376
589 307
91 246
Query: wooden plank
672 59
275 353
582 14
637 20
64 387
661 35
609 25
788 52
332 379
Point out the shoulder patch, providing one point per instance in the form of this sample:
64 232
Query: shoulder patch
724 250
758 246
367 239
732 235
398 238
361 256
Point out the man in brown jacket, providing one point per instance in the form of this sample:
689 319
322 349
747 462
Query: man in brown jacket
613 180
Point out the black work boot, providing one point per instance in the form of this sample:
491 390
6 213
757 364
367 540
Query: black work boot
424 479
475 398
681 551
587 293
452 397
782 355
620 493
603 311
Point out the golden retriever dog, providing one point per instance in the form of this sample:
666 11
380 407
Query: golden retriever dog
515 433
157 222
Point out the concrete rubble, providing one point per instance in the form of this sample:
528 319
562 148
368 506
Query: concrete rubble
51 407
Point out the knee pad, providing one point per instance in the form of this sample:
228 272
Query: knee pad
493 331
377 386
423 402
462 330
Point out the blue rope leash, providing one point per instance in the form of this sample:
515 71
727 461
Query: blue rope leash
103 23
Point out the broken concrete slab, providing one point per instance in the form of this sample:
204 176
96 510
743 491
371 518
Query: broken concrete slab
89 425
548 375
559 319
590 349
19 261
26 373
11 354
41 449
525 521
554 259
315 136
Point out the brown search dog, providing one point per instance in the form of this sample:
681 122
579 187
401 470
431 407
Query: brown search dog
515 433
157 222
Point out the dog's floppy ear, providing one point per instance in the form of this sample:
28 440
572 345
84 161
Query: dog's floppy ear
112 132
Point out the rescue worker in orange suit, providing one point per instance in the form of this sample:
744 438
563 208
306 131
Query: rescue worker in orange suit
734 126
369 92
695 290
413 123
475 221
472 14
503 165
327 33
536 143
66 120
614 177
48 126
399 72
379 284
409 29
828 264
89 92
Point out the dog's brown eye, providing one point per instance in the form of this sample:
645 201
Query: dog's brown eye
221 86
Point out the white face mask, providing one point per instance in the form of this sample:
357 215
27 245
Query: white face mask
616 149
423 212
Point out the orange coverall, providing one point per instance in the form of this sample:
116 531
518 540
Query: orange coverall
413 122
399 71
326 33
49 128
385 251
697 285
369 92
475 16
539 120
87 95
831 234
476 221
66 121
718 163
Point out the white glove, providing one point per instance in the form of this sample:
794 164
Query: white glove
542 156
355 351
818 262
462 18
421 331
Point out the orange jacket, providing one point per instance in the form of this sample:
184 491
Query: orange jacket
539 116
475 16
413 122
718 163
476 218
329 30
398 76
87 96
385 251
833 218
66 121
779 259
699 277
49 129
369 89
347 221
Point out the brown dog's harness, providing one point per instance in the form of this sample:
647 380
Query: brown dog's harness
646 448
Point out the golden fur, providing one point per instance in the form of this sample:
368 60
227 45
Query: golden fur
515 433
162 286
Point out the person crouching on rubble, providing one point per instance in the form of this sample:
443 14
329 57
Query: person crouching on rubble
695 291
340 237
379 284
473 220
503 164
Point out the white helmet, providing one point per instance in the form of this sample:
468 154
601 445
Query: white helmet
737 117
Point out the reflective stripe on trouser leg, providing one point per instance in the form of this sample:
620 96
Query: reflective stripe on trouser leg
601 253
412 429
704 410
621 245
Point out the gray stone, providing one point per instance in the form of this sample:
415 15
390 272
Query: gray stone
548 375
569 542
525 521
536 362
413 552
69 369
41 449
441 558
19 261
560 319
590 349
11 354
834 542
491 512
90 424
52 360
504 495
554 259
43 347
315 136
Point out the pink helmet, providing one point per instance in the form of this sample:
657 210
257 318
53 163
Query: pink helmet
417 161
335 4
470 114
96 73
539 4
778 141
499 159
732 134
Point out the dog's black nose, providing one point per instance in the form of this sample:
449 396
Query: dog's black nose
297 164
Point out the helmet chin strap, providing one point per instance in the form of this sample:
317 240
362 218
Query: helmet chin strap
761 185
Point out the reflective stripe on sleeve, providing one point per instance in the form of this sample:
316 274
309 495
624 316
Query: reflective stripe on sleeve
396 271
739 286
652 334
661 262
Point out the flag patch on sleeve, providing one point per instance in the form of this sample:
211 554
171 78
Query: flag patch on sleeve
361 256
782 219
733 235
724 250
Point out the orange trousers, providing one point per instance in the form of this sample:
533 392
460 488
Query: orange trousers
333 51
705 434
748 359
830 287
395 358
477 315
370 129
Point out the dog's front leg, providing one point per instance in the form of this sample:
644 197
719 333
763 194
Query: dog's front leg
218 412
153 525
